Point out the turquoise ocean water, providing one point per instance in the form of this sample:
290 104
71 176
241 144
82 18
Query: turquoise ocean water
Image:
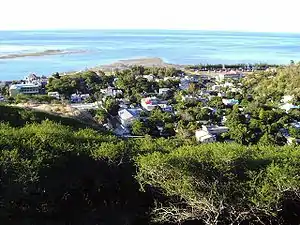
108 46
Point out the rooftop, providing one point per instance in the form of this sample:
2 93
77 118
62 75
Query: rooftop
19 86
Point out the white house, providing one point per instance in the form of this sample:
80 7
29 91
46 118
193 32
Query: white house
215 130
208 134
128 116
149 103
149 77
163 91
112 92
34 79
291 140
287 99
54 94
204 136
288 106
16 89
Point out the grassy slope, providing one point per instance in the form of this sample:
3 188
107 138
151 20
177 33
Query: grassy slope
16 116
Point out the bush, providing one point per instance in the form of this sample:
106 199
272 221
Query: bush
224 184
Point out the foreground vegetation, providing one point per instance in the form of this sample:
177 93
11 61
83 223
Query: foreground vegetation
55 174
57 170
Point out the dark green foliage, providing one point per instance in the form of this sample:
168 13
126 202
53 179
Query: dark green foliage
57 175
112 106
140 128
84 82
52 173
224 184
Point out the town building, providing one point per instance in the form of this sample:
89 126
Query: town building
54 94
208 134
204 136
25 89
291 140
111 92
215 130
128 116
151 103
184 83
165 107
149 77
164 91
38 80
78 98
288 106
287 99
233 75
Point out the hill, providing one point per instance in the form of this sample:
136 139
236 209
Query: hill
19 116
54 174
274 85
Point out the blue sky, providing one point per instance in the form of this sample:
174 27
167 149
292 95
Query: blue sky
241 15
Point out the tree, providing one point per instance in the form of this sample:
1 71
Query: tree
294 132
101 116
238 129
4 91
112 106
216 102
139 128
56 75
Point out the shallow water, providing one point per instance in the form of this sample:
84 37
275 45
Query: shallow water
107 46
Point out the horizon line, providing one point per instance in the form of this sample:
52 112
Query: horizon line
145 29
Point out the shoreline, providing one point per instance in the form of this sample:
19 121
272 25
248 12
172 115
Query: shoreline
124 64
41 53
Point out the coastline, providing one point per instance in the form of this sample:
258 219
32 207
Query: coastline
41 53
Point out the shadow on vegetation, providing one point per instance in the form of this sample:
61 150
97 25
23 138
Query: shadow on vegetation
76 190
231 181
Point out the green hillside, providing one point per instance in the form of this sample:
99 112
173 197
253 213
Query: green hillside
274 85
16 116
53 174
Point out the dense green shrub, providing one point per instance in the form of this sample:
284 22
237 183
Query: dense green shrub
224 183
54 174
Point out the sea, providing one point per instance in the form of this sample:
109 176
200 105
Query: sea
100 47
